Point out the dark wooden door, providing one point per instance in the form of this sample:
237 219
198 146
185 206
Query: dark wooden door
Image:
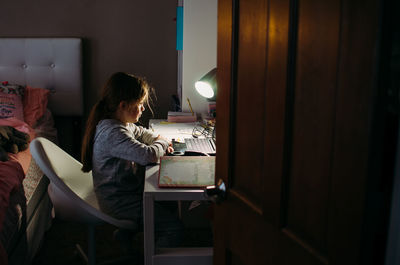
299 135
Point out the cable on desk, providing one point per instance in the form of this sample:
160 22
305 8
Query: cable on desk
204 129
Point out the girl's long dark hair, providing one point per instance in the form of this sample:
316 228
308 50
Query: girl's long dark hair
120 87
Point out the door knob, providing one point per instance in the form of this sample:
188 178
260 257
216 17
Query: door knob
216 193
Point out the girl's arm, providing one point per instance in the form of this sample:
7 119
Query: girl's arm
145 135
126 147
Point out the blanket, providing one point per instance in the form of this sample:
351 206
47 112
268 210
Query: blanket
12 173
24 157
11 176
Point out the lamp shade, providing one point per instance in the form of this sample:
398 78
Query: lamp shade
207 85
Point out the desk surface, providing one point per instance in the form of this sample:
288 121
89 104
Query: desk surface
172 130
169 130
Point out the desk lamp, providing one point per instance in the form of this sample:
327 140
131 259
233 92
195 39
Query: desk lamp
207 85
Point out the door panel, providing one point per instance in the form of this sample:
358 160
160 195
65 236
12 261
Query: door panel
277 79
285 102
250 80
313 121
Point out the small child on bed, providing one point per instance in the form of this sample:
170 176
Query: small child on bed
116 149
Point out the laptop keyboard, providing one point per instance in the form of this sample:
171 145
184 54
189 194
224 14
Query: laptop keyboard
204 145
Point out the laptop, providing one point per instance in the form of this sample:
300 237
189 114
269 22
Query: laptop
199 145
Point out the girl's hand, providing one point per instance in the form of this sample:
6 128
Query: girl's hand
159 137
170 149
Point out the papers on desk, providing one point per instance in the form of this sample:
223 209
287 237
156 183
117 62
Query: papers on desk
186 171
171 130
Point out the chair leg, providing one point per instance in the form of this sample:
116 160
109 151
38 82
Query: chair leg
82 253
91 245
90 257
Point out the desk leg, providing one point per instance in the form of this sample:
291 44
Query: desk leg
148 223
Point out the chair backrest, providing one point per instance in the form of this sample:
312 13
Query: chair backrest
71 190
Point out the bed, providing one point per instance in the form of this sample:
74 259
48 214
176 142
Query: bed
46 75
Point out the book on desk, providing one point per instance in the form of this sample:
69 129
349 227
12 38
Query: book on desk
181 116
186 171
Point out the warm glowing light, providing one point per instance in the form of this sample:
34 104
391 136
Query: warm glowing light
204 89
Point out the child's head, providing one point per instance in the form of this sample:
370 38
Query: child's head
123 97
124 89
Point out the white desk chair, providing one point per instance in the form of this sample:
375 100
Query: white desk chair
71 191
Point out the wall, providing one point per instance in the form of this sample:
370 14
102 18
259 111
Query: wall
124 35
199 48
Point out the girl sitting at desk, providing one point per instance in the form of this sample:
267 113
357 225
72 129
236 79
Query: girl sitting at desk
116 149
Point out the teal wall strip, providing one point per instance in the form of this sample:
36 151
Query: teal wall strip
179 28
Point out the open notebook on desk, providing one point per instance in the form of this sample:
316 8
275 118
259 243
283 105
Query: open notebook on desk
186 171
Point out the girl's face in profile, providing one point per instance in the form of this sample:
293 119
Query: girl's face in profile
133 111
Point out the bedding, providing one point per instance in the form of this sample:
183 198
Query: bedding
33 67
11 101
22 187
11 176
12 173
22 184
34 104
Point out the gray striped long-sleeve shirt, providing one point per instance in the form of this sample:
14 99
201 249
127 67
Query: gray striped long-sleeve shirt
116 149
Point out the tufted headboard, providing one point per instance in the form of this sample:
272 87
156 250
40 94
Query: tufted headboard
51 63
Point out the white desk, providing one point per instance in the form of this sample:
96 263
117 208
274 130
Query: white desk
173 256
172 130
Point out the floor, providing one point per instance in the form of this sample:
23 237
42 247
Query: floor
59 246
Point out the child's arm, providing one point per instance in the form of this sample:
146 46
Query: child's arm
122 145
145 135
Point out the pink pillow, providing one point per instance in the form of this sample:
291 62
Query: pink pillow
35 104
10 101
